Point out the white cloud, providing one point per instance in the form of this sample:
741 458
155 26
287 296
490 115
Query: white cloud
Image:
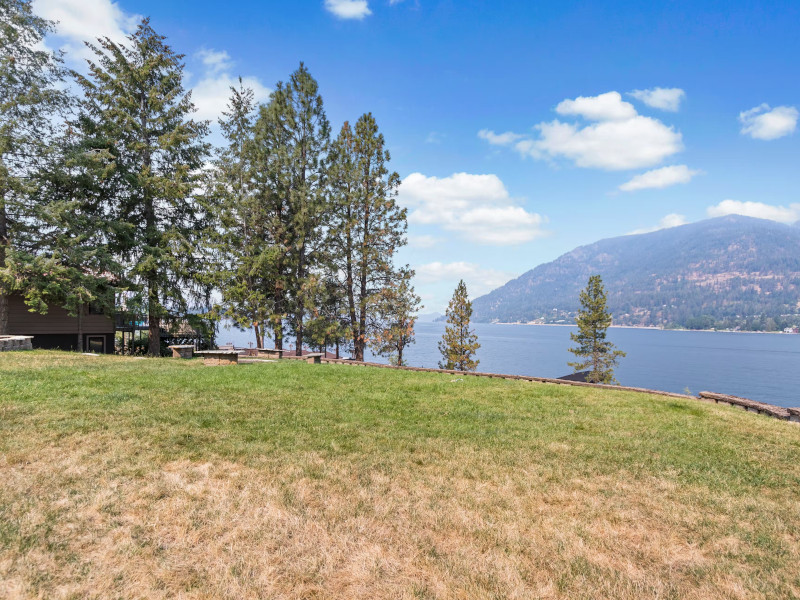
479 280
662 98
670 220
605 107
763 123
212 91
348 9
211 94
499 139
476 206
82 21
660 178
618 139
782 214
215 61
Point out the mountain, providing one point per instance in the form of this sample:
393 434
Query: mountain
730 271
429 317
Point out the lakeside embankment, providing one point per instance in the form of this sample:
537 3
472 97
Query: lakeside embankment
161 478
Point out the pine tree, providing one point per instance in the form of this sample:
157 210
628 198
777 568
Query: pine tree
599 355
327 324
134 98
292 135
244 251
398 307
459 344
30 102
366 225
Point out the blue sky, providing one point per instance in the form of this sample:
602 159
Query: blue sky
520 129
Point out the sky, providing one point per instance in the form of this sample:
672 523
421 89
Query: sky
520 129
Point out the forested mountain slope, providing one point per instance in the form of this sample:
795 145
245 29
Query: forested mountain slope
728 271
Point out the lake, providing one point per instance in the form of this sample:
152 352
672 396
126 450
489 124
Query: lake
763 367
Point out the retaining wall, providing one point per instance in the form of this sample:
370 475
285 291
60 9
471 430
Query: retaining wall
15 342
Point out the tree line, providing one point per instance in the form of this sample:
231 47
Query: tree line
113 192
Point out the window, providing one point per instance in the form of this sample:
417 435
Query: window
96 343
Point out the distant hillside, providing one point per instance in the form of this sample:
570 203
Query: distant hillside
725 272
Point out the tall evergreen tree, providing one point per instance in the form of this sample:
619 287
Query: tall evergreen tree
73 266
292 135
30 98
134 98
459 344
366 225
597 354
244 251
398 307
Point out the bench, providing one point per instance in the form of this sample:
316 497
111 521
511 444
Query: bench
212 358
270 352
310 358
182 350
313 358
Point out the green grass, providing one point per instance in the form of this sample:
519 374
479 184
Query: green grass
149 478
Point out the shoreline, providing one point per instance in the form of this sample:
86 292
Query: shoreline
650 328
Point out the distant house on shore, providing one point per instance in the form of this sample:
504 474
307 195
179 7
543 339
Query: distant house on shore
58 330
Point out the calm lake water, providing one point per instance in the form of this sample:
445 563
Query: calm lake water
763 367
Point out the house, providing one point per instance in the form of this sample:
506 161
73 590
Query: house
57 329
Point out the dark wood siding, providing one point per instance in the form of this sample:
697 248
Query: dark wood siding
56 322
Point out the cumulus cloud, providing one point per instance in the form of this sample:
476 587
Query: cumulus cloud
476 206
660 178
783 214
670 220
80 21
617 137
211 92
605 107
668 99
348 9
478 279
499 139
765 123
215 61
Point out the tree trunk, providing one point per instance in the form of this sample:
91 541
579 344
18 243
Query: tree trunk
259 339
3 314
337 347
79 348
153 322
299 340
4 243
300 300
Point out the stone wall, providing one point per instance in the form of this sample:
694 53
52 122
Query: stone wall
15 342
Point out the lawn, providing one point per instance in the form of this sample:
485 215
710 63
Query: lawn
162 478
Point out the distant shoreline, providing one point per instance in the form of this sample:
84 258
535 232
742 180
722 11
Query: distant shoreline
651 328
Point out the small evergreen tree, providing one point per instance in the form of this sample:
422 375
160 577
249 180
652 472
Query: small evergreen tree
593 320
397 308
459 344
